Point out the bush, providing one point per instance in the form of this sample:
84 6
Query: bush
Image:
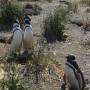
53 25
9 12
32 9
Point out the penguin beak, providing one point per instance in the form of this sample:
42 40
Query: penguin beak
66 57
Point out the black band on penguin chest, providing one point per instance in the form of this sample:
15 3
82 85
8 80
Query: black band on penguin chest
14 31
28 26
16 26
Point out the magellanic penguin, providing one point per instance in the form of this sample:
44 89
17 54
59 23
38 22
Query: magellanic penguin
73 74
28 34
17 37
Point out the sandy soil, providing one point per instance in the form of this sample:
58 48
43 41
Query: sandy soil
73 43
71 46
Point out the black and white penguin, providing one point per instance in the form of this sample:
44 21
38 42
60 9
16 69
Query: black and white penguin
28 34
17 37
73 74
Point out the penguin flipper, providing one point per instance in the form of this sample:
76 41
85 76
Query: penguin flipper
10 39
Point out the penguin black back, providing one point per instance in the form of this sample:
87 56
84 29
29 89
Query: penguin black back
27 19
16 25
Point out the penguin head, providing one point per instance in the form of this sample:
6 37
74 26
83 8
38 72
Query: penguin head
27 19
70 58
16 23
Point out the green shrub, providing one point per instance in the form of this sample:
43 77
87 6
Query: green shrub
53 25
9 12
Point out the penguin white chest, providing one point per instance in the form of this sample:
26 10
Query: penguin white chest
71 77
28 38
17 40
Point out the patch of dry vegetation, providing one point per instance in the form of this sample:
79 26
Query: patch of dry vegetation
85 2
74 6
40 69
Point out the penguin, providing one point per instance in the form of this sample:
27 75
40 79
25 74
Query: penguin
73 74
28 35
16 38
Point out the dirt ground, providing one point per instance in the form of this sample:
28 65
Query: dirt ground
71 46
73 43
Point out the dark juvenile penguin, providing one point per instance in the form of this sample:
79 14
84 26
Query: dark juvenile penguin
73 74
28 34
16 41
